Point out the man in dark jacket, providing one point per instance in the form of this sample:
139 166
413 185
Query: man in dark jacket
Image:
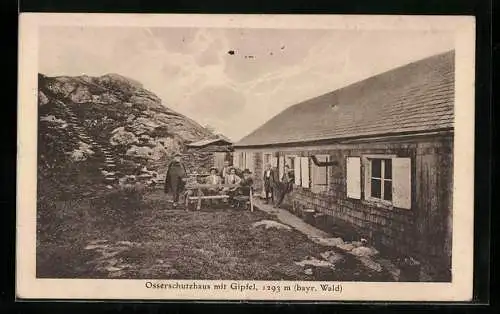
174 180
270 181
286 185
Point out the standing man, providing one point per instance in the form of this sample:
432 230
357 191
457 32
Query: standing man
269 183
286 185
225 170
174 180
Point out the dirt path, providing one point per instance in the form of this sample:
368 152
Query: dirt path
368 256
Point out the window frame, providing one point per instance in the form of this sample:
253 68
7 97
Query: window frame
367 173
316 187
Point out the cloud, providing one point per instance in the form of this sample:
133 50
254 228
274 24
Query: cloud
192 72
218 102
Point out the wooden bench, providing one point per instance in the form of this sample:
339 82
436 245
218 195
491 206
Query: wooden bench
198 187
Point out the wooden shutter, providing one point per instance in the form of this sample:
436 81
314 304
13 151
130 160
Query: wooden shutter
249 161
296 171
353 177
304 166
281 165
274 161
401 182
236 159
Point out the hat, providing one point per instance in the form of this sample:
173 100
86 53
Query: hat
177 155
247 171
213 168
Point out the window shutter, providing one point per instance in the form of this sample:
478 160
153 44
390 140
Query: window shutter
249 161
241 160
274 161
304 165
296 171
236 159
281 166
401 184
353 178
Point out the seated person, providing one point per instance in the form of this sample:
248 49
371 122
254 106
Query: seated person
213 179
231 178
246 183
190 181
244 188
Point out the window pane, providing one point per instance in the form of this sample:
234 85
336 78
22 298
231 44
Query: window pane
388 169
376 168
388 190
376 188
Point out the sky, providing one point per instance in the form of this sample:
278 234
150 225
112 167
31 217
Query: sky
233 79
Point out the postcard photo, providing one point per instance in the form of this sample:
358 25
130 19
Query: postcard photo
245 157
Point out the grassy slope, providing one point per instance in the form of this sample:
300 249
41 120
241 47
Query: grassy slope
167 244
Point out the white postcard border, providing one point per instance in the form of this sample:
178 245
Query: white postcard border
28 286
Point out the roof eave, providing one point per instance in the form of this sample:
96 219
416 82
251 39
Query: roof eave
347 139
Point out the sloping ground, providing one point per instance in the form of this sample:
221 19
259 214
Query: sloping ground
132 236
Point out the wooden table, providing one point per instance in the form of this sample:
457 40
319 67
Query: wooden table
200 186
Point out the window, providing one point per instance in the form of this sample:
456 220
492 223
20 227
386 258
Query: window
380 179
387 179
267 159
243 160
297 171
319 175
290 161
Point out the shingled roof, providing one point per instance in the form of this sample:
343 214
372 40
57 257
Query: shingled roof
417 97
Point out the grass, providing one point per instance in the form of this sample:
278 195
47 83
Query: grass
145 238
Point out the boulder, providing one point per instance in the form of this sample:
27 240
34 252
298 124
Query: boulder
82 152
332 257
370 264
42 99
81 95
122 137
346 246
140 151
271 224
328 241
52 119
130 118
363 251
119 129
312 261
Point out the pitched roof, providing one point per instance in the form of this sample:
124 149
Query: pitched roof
209 141
413 98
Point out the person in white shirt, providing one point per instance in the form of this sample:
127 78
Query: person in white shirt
213 179
225 170
231 178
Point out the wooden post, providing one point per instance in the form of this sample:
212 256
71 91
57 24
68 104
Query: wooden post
251 200
198 206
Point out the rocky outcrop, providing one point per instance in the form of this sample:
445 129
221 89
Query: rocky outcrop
129 127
